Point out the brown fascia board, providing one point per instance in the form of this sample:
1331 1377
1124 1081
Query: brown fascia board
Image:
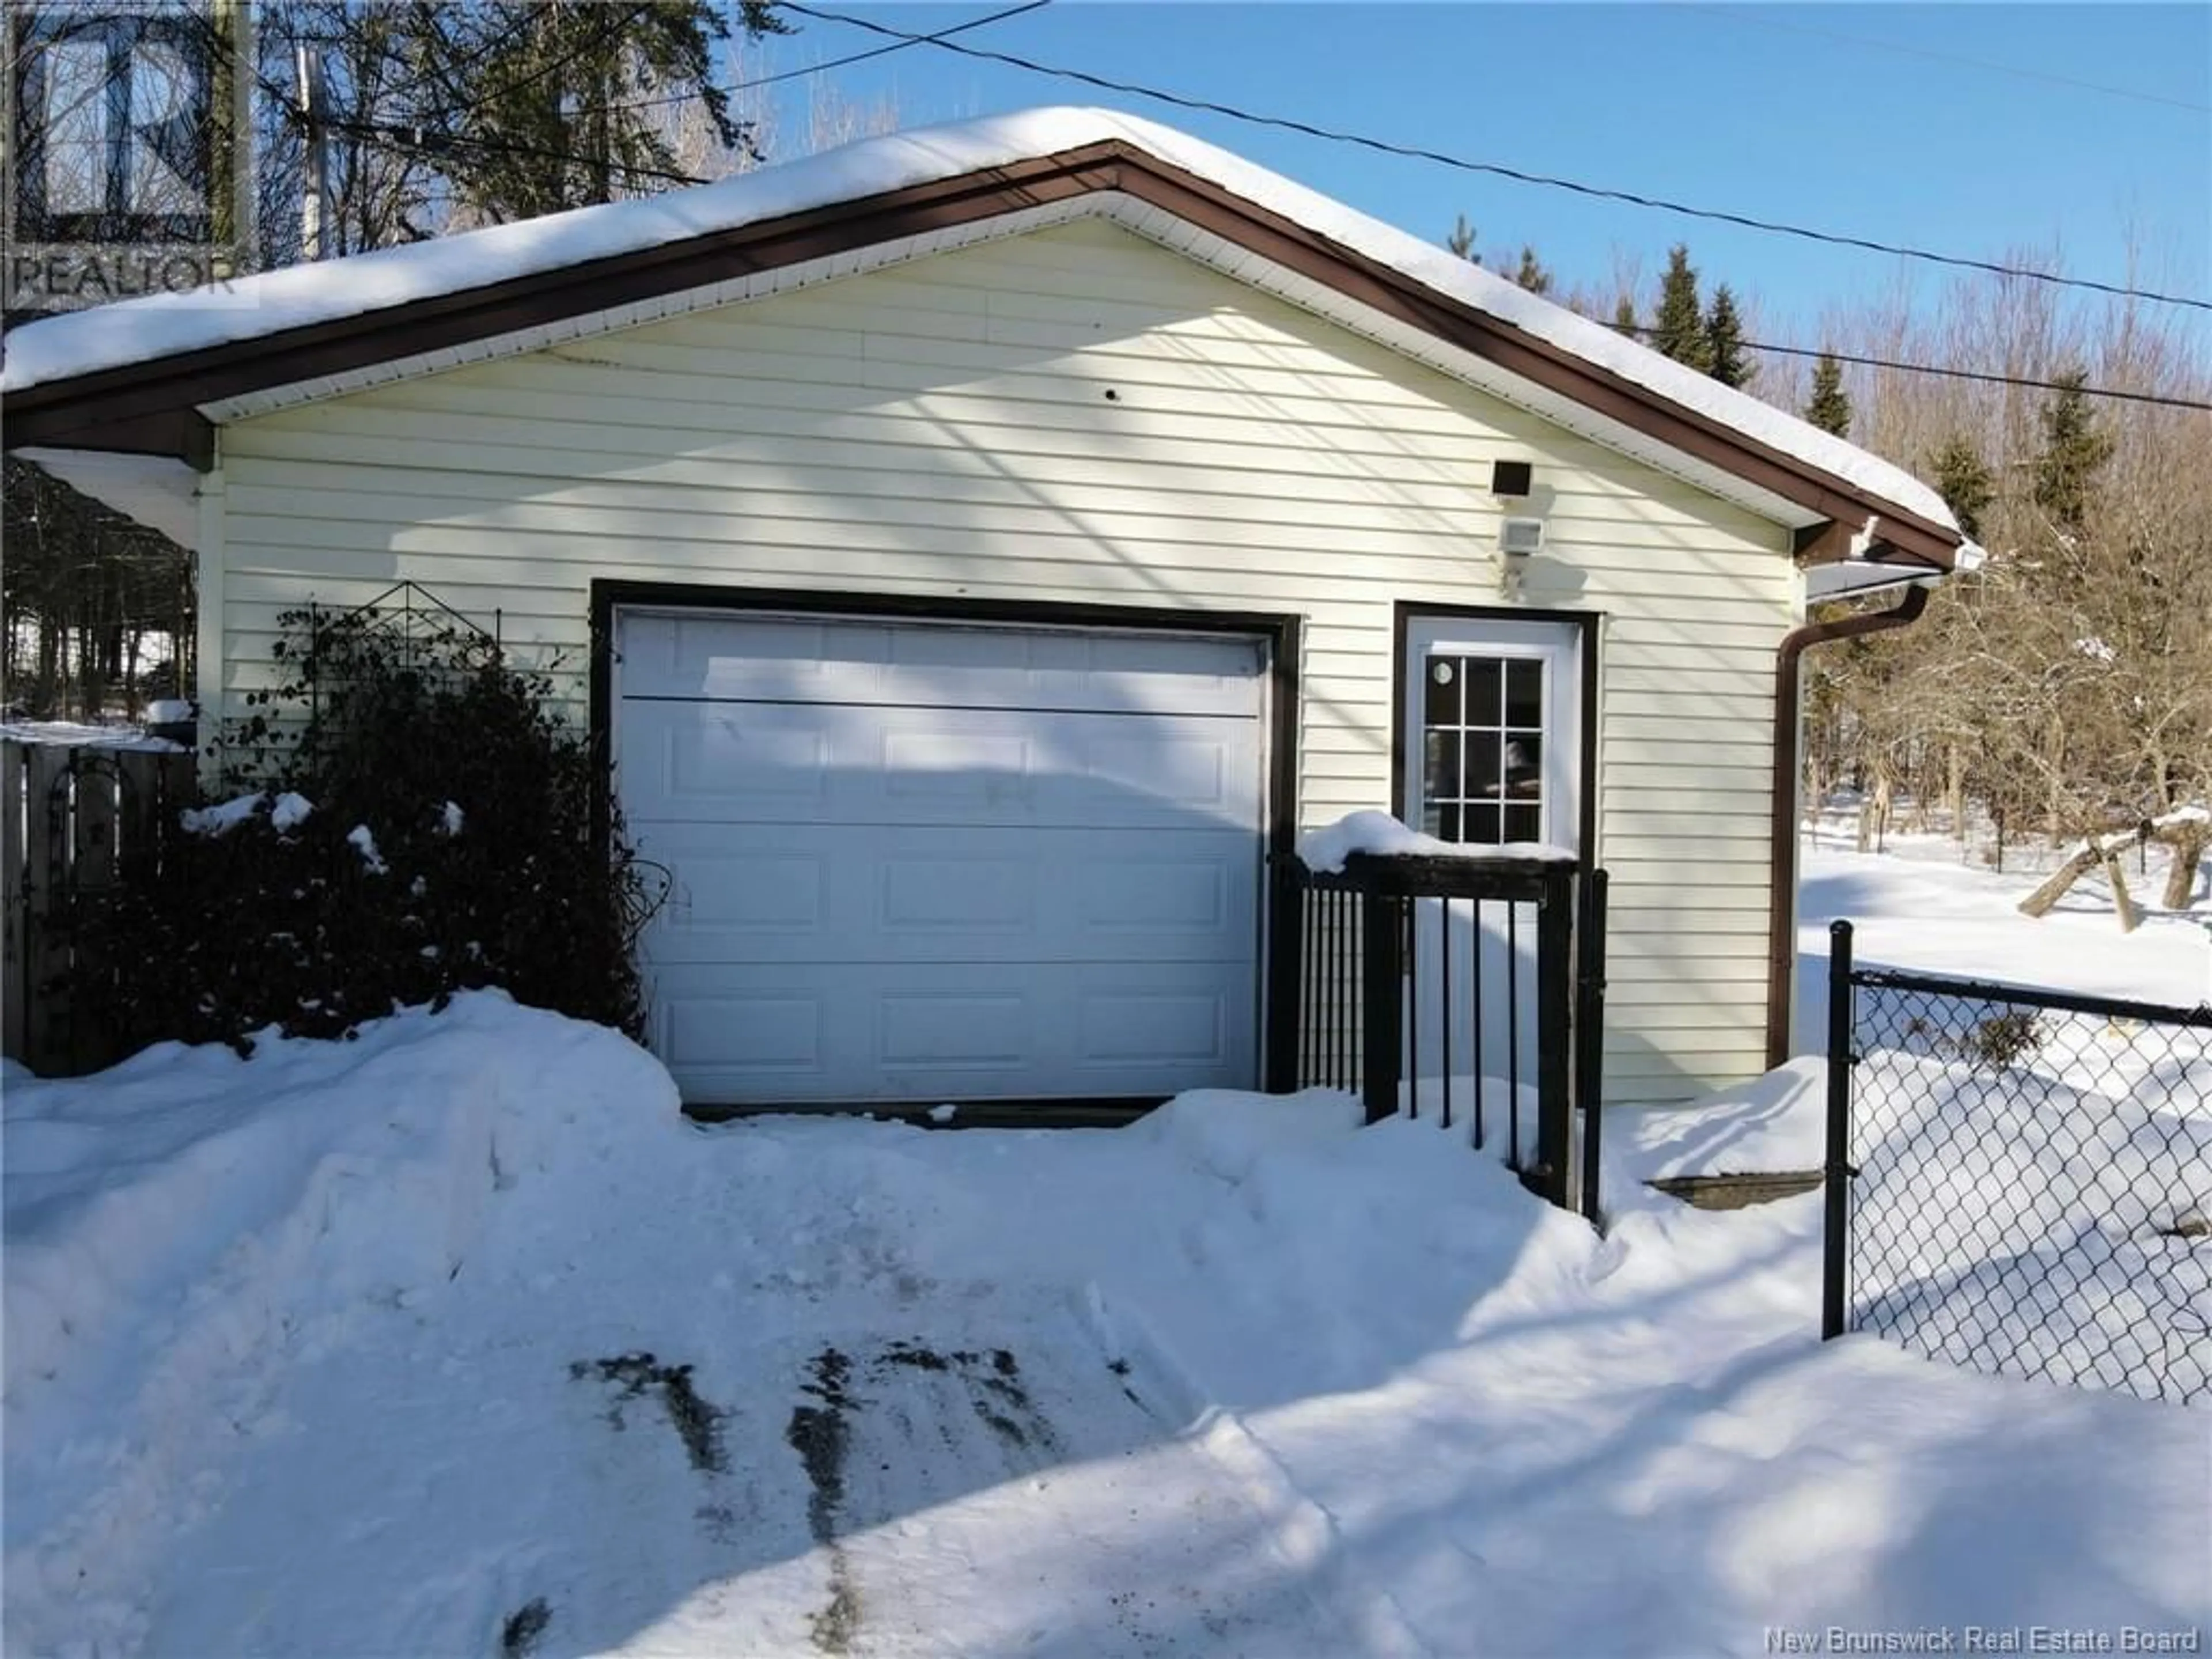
152 406
83 410
1831 542
1404 298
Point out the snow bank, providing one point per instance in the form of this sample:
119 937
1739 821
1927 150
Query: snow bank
375 1345
182 1230
2056 1182
138 331
321 1170
1326 848
1772 1125
1228 1134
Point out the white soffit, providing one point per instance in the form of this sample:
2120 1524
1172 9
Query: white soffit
158 491
1847 577
1155 225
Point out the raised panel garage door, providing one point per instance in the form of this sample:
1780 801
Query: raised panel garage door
916 863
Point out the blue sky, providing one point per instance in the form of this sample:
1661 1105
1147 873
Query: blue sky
1764 109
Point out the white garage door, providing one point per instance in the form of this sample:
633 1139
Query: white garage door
915 862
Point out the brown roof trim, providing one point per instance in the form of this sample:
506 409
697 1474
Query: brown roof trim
79 411
151 406
1404 298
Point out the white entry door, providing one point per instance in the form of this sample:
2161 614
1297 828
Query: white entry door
1492 724
915 862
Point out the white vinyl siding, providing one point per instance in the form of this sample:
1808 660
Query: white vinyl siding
1076 415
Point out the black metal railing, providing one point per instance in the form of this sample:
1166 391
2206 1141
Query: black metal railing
2020 1181
1468 990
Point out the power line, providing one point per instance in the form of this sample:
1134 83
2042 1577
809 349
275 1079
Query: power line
422 138
1983 376
1767 18
1415 152
841 63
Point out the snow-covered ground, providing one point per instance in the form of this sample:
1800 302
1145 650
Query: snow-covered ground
1916 905
457 1339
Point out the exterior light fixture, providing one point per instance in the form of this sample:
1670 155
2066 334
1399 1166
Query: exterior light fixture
1519 540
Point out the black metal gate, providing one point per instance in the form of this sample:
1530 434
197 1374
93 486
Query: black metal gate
1468 990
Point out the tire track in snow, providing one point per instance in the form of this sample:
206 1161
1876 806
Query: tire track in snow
822 1436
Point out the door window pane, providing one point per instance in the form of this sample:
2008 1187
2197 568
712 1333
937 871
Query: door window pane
1524 693
1483 755
1440 770
1480 824
1484 706
1524 765
1445 677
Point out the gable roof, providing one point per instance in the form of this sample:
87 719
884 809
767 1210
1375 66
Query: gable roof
135 376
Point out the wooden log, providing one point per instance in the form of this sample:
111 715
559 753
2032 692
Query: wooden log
2123 905
2188 839
2097 850
2038 903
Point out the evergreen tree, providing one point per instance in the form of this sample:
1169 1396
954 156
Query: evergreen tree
1829 407
551 105
1730 364
1623 316
2075 449
1679 329
1532 274
1963 479
1462 241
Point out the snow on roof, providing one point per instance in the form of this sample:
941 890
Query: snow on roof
140 331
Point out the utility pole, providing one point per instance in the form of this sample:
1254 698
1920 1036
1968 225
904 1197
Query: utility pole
315 209
230 182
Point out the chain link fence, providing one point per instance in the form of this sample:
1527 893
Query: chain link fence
2020 1180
